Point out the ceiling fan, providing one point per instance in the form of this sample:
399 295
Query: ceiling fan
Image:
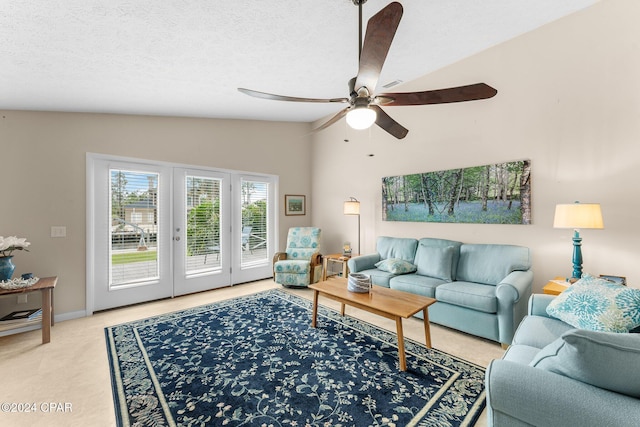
364 107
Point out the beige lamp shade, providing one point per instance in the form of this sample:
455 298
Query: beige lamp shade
352 207
578 215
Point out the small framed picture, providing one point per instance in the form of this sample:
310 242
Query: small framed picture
615 279
294 205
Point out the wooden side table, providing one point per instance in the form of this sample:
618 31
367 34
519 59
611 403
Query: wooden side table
335 258
44 285
556 286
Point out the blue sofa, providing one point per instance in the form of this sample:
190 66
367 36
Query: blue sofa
481 289
555 375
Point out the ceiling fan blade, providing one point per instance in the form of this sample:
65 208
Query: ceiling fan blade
273 97
388 124
381 29
440 96
340 114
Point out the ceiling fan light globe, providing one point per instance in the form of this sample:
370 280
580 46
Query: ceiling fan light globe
361 118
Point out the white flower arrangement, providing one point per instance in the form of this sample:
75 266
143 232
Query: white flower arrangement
12 243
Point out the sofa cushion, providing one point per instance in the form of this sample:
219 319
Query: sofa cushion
469 295
292 266
397 247
416 284
489 264
603 359
539 331
598 305
520 353
435 261
431 242
395 266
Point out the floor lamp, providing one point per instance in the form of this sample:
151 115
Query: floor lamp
578 215
352 207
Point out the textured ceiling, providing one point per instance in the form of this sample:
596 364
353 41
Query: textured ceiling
187 57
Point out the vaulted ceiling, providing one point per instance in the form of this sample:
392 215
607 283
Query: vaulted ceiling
186 58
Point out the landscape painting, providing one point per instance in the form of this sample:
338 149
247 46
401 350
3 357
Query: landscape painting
491 194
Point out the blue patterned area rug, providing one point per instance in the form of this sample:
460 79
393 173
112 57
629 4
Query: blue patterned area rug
256 361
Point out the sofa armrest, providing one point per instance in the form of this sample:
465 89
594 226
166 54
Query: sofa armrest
538 304
541 398
515 286
316 259
279 256
512 294
363 262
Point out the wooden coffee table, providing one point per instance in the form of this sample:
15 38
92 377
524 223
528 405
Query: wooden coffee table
382 301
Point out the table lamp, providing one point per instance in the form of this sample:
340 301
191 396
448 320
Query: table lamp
578 215
352 207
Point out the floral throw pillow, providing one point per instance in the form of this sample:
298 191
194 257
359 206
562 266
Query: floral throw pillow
396 266
598 305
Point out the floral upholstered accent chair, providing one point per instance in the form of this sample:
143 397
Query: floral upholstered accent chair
301 263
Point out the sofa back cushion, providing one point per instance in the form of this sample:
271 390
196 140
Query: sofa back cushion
489 264
437 258
397 247
607 360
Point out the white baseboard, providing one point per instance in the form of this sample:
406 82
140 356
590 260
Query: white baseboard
57 318
69 316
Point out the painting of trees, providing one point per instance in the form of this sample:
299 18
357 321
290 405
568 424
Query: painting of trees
490 194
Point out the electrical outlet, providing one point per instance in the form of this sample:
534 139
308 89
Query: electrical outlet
59 231
22 299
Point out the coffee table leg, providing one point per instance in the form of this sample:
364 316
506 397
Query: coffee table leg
342 309
427 331
401 354
314 316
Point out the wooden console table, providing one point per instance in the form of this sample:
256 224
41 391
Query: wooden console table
44 285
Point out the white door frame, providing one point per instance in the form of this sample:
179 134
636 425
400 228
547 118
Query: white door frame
236 277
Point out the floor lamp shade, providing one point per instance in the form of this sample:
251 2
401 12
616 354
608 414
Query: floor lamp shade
352 207
578 215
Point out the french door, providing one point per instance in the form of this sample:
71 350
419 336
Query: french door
157 230
201 206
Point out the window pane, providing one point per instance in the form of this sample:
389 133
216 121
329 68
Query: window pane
254 222
134 227
202 251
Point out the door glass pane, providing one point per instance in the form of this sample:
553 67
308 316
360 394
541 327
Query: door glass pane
254 221
134 227
202 251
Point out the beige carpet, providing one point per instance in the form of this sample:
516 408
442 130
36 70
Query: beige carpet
66 382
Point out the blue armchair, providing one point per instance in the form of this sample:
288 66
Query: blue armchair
301 264
555 375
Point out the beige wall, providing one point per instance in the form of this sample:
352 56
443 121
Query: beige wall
568 100
43 172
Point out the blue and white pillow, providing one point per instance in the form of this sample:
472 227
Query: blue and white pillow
598 305
396 266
